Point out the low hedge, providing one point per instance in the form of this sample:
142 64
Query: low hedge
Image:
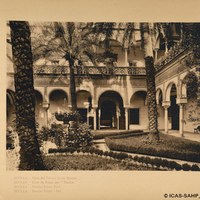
167 153
101 135
63 150
91 150
158 162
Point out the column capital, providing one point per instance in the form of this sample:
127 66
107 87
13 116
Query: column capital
166 104
126 44
45 105
181 101
95 107
127 107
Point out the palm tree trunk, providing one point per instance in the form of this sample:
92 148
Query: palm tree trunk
72 86
150 81
30 155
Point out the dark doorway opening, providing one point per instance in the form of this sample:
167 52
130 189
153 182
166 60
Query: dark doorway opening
174 109
108 115
111 113
174 113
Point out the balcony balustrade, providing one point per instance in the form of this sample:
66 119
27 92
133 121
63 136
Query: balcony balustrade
89 70
175 51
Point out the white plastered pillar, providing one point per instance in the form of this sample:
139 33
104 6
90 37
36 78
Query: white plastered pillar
181 102
166 105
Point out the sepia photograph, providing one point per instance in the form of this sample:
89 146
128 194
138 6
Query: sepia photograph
99 100
103 96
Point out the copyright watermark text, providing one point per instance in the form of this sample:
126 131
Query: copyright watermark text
173 195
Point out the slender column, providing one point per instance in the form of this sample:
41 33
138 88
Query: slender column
126 119
99 118
166 106
117 116
181 120
166 48
181 102
156 55
126 57
95 118
87 107
117 122
88 118
166 119
46 107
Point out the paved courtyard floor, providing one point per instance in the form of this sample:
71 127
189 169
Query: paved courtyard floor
186 135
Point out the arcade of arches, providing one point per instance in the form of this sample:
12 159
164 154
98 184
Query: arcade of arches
119 108
111 109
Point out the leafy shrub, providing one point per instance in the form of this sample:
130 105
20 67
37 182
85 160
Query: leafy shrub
186 167
122 155
178 167
141 159
44 133
56 131
172 164
195 168
157 162
106 153
80 136
78 150
100 152
135 158
9 139
130 157
147 160
164 163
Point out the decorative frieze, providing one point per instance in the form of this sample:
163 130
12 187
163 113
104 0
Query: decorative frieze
89 70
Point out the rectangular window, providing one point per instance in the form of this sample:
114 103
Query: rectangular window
134 116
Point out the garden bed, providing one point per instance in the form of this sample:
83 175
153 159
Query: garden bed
101 134
129 160
88 162
168 147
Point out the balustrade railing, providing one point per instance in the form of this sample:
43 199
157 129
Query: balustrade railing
90 70
170 55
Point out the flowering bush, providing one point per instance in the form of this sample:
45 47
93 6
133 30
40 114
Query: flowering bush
79 136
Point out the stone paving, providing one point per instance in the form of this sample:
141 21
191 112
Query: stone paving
186 135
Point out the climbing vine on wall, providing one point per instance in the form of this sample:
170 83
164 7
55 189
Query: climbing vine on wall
193 108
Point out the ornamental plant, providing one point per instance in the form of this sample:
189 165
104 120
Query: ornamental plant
195 167
56 131
186 167
9 139
178 167
80 136
67 116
